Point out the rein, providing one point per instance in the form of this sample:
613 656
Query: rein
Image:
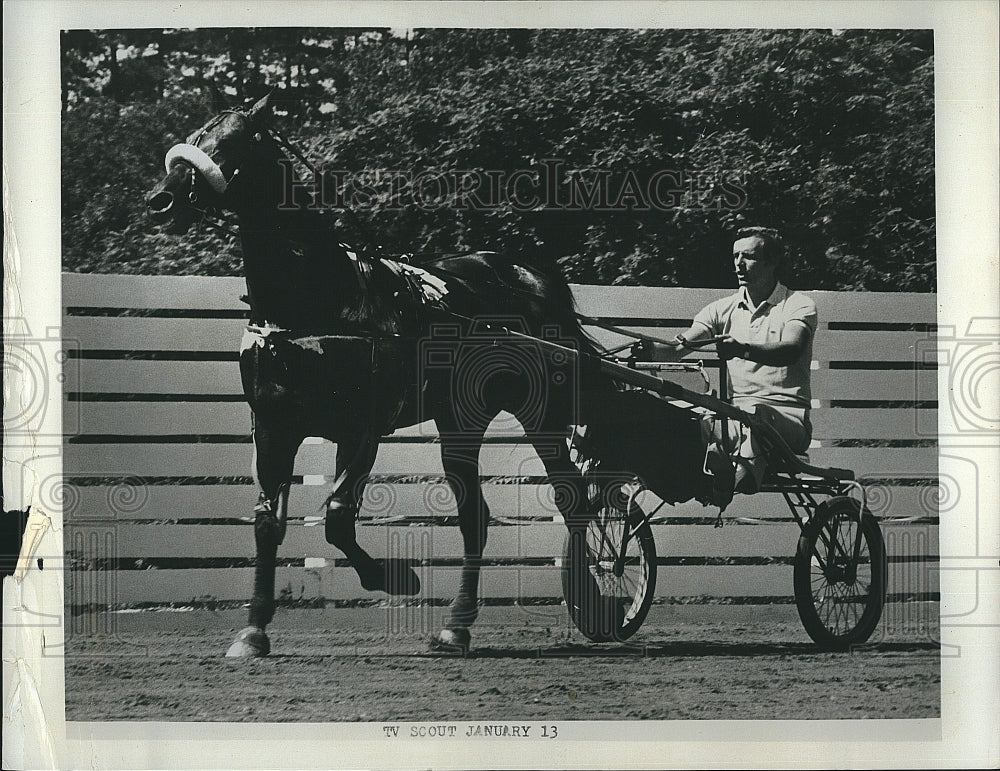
361 262
589 321
288 147
214 221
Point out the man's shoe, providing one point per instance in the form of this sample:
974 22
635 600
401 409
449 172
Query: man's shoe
748 475
745 481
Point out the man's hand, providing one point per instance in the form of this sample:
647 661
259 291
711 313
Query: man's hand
729 348
647 350
683 344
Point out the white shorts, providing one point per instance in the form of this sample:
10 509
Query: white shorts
792 423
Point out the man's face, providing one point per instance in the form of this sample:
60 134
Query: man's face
752 265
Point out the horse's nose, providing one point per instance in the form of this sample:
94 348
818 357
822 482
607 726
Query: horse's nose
160 204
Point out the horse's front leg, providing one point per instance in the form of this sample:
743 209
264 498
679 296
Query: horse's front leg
461 465
274 459
355 458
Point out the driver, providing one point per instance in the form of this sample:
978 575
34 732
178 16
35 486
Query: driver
765 333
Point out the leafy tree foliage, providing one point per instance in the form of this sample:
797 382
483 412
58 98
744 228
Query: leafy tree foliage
629 156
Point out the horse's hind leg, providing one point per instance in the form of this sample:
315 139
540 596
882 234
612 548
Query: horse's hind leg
571 499
274 459
460 459
567 482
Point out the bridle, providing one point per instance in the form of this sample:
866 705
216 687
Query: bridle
200 162
256 136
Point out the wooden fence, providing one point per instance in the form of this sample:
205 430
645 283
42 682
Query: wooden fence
159 494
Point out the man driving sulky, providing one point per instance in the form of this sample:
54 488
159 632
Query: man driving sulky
765 333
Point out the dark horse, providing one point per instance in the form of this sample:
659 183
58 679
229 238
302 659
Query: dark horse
350 347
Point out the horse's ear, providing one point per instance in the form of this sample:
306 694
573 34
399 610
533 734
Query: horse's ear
261 108
219 101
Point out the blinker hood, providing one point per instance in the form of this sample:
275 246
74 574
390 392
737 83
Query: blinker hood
204 165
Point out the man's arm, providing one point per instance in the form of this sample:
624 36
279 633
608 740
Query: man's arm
646 350
783 353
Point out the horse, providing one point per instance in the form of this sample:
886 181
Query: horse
349 347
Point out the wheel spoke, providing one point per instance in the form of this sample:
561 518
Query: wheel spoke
839 575
610 575
605 544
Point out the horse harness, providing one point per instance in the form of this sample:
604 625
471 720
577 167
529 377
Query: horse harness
425 289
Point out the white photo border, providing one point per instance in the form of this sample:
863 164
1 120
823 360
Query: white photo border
36 732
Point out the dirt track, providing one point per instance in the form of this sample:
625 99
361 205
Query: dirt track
711 662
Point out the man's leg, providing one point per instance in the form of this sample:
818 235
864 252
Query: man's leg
722 438
750 466
794 427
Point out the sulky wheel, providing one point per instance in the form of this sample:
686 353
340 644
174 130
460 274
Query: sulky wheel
608 594
840 575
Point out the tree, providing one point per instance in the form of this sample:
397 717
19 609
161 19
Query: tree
648 148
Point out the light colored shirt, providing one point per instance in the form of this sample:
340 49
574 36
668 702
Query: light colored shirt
752 383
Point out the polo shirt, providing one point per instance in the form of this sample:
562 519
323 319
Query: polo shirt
753 383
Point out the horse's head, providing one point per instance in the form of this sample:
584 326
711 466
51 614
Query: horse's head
203 172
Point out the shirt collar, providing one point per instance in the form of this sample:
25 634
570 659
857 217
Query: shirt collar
780 293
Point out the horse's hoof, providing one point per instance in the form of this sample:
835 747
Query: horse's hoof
252 642
370 573
391 576
400 578
452 641
339 526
